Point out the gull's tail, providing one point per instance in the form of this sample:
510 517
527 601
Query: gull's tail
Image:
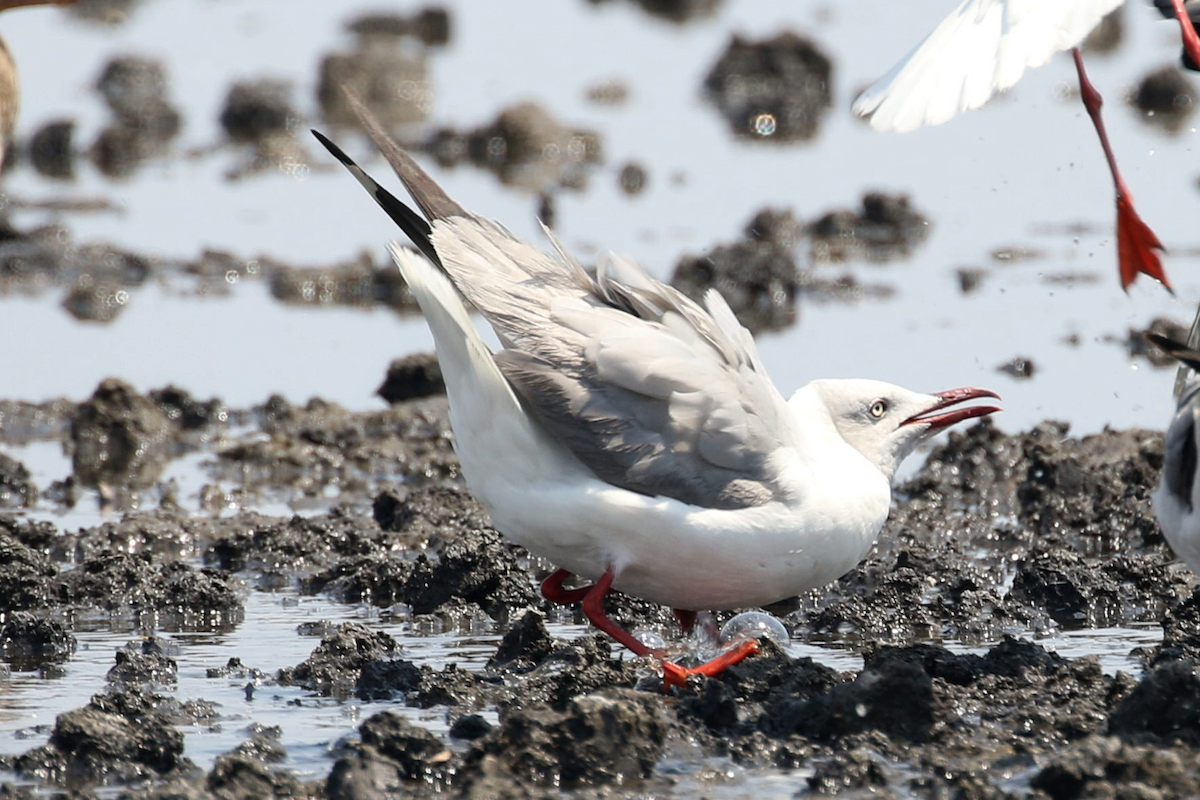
488 419
483 406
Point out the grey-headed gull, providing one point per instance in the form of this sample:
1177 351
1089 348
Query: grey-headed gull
631 436
1176 500
983 47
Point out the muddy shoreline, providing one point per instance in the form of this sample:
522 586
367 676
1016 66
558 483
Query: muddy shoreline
998 541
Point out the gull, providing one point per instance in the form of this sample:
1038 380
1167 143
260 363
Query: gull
632 436
983 47
1176 499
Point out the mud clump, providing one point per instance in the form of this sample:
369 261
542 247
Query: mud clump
118 738
27 642
773 90
119 440
92 301
886 227
1019 367
677 11
612 92
418 375
138 582
382 70
144 121
143 663
1166 98
757 276
525 146
524 646
36 259
334 667
187 413
473 566
17 488
360 282
103 12
311 450
632 179
259 113
604 738
392 753
26 574
50 150
257 110
270 547
1109 767
410 746
470 727
247 771
1163 707
431 26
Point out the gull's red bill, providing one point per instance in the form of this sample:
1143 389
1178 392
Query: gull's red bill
952 397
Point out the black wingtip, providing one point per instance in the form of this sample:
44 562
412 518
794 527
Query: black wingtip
414 226
331 147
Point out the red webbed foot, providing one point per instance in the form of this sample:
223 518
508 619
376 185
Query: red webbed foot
1136 246
675 675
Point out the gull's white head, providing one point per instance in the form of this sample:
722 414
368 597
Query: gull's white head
886 422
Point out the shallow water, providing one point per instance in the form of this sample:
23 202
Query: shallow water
267 639
1023 173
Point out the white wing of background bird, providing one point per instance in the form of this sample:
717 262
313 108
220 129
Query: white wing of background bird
981 48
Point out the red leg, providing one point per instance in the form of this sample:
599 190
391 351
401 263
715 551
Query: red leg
673 674
552 589
1136 243
1191 42
593 609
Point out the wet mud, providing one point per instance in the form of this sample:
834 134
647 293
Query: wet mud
774 90
997 541
526 146
1166 98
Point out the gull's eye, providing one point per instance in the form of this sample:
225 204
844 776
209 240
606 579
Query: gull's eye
879 408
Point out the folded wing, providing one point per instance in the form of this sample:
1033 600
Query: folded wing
650 390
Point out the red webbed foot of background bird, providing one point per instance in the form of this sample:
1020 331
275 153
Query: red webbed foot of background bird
1136 246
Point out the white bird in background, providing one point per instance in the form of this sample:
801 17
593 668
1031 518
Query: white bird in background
632 436
1176 500
983 47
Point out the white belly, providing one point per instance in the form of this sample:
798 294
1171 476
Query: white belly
685 557
541 497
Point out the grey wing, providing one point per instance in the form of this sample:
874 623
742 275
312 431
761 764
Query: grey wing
648 389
